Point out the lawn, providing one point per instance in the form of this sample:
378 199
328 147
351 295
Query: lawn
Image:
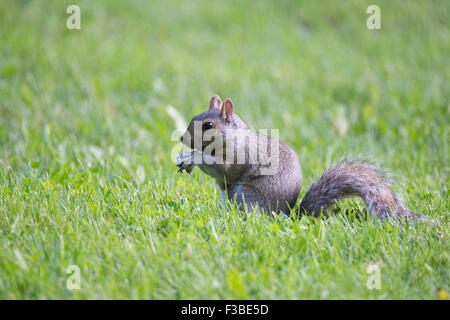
87 139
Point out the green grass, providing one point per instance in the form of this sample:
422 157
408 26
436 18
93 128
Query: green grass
87 179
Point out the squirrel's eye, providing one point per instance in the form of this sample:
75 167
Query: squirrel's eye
207 125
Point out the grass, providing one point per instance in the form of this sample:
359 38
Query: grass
86 145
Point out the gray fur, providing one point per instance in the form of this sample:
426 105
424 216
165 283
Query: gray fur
245 183
355 178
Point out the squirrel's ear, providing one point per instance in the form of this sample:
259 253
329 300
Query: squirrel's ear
215 103
227 110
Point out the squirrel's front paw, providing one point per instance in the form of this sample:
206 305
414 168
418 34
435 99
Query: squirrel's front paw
185 161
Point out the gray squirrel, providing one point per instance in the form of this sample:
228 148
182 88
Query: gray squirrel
248 184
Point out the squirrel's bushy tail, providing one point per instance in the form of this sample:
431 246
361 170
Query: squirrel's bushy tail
355 178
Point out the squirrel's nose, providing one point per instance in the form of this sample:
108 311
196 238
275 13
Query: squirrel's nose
181 139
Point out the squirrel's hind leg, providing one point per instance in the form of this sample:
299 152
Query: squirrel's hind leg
249 200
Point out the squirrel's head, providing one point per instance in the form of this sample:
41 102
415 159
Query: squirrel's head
211 125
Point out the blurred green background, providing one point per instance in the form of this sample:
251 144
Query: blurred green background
86 175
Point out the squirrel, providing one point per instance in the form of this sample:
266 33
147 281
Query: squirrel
251 187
